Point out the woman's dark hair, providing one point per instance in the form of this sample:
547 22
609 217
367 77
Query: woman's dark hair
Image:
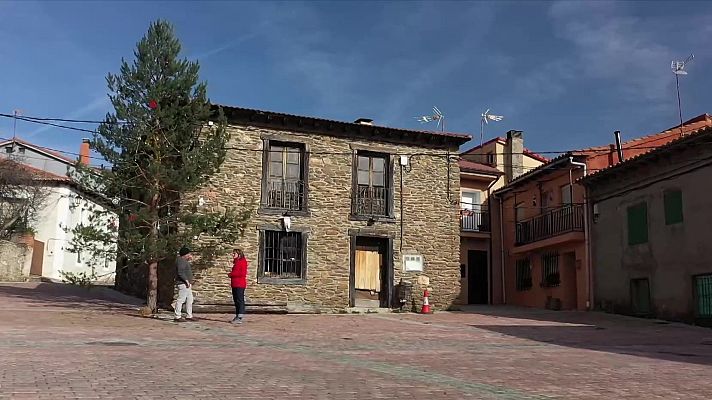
239 252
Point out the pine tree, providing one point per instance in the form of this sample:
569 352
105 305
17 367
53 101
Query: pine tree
163 141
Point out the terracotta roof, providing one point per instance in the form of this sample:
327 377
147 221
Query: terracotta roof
679 142
39 148
502 140
471 166
332 126
601 156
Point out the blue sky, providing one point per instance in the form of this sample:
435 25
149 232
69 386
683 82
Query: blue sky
566 73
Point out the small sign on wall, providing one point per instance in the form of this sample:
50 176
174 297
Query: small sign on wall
412 263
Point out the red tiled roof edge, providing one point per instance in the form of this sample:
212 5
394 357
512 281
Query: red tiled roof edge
471 166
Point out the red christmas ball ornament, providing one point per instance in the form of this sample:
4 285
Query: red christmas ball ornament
152 104
133 217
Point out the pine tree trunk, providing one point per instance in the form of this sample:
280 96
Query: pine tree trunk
152 298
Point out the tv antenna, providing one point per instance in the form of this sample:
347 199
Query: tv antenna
437 116
678 68
486 117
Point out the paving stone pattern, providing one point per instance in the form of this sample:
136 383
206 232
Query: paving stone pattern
59 342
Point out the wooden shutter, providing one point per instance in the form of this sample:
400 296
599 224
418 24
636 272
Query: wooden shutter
638 224
673 206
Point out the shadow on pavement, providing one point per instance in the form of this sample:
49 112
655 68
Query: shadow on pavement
599 332
64 296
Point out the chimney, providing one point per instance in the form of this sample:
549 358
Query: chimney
364 121
513 155
619 148
84 152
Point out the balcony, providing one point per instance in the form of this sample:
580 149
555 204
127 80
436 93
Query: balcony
552 223
371 201
474 218
285 195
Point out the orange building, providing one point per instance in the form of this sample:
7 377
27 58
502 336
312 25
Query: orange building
539 227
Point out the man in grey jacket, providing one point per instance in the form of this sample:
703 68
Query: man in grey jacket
184 274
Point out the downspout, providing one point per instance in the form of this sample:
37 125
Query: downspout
587 235
501 246
490 295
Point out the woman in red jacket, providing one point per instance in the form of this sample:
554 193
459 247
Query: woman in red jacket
238 282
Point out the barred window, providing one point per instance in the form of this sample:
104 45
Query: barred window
524 274
283 255
550 270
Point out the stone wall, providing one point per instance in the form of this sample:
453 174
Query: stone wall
430 220
15 261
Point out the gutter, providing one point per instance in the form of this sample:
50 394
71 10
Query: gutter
489 273
587 233
501 244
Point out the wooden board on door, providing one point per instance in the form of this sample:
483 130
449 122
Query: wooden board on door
37 258
368 270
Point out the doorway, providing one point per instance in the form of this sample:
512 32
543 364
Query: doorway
37 258
477 277
371 277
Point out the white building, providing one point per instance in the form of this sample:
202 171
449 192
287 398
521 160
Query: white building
66 207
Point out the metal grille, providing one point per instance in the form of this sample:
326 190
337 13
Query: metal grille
524 274
474 217
555 222
282 255
288 195
550 270
371 200
703 291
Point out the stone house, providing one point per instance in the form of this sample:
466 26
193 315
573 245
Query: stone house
650 219
342 213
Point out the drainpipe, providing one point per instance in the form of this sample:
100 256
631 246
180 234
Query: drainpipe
501 246
489 273
587 235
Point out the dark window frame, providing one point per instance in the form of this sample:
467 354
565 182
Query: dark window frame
265 208
673 207
550 270
388 176
262 277
699 316
523 271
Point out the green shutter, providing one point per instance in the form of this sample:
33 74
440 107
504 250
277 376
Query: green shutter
638 224
673 207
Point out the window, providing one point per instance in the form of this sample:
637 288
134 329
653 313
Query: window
372 194
524 274
285 177
566 196
546 200
673 206
703 296
21 150
519 212
491 160
8 149
283 256
550 270
471 200
638 224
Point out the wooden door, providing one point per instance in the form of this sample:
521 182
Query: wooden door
37 258
368 270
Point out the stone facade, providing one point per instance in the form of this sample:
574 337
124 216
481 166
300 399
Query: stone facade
15 261
429 215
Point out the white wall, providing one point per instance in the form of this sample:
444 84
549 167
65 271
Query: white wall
64 210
